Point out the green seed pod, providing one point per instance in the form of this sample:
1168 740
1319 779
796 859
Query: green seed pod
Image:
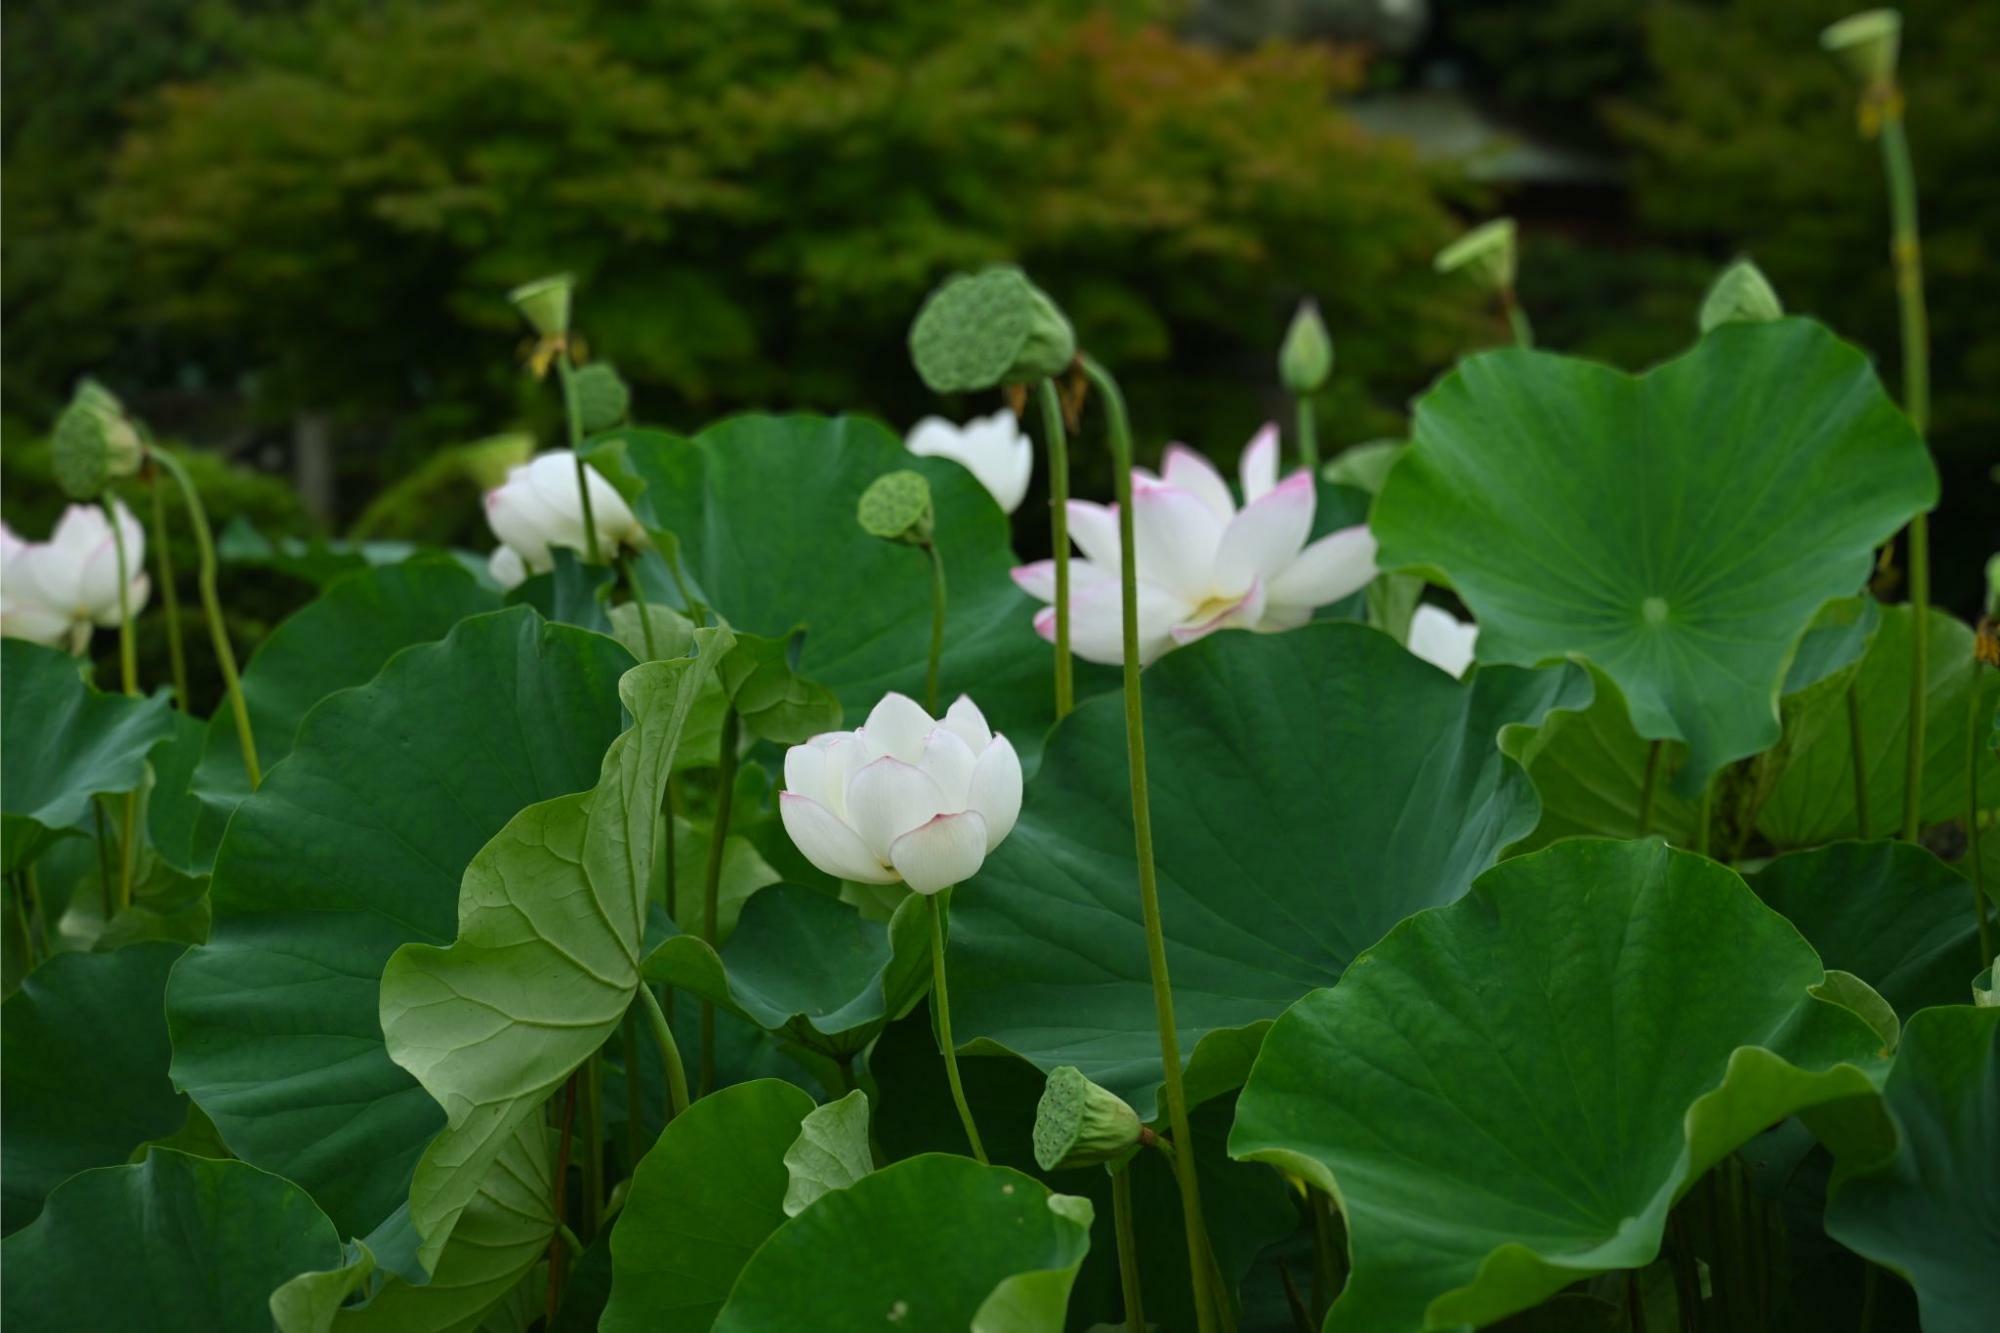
1866 45
545 303
984 329
1306 358
1078 1123
1741 294
94 442
602 399
1485 254
897 507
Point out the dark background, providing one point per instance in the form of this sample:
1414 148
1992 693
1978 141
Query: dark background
284 231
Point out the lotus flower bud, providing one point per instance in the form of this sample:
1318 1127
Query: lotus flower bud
94 441
1079 1123
1306 358
545 303
602 400
904 797
897 508
1866 45
1485 254
540 507
990 328
1741 295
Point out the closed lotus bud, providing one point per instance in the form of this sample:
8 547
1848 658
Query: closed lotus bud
94 441
539 507
897 508
602 400
544 303
1485 254
1079 1123
1741 295
1866 46
1306 358
981 330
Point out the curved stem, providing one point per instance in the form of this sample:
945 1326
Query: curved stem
1972 835
1128 1249
1142 835
211 605
1906 253
1308 436
1857 748
1058 445
631 577
574 411
1517 318
937 628
170 595
1326 1257
941 1010
1646 789
711 894
628 1038
670 1052
592 1076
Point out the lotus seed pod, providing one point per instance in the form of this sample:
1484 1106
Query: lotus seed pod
995 327
1866 45
602 399
1306 358
897 508
1079 1123
1741 295
545 303
94 442
1485 254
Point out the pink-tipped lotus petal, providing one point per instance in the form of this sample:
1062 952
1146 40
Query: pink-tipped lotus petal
944 851
1185 468
1174 539
1259 465
829 844
1038 579
1267 535
887 799
1331 568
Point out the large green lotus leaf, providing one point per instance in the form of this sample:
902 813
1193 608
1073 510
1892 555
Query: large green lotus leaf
84 1044
66 742
340 639
763 507
703 1199
1679 529
1813 801
1309 790
172 1243
551 932
808 966
1889 912
932 1242
352 847
505 1231
1931 1210
1507 1094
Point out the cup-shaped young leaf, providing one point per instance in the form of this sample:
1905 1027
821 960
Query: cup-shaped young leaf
981 330
994 449
1741 294
545 303
1204 564
1078 1123
541 507
904 797
1305 359
1485 254
94 441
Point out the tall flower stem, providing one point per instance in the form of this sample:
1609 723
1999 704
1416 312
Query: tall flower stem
937 628
1205 1299
1650 781
1972 834
574 411
1906 252
631 577
711 894
170 596
211 605
941 1011
1308 436
560 1194
1857 747
1517 318
628 1040
592 1076
128 680
1128 1248
670 1052
1057 439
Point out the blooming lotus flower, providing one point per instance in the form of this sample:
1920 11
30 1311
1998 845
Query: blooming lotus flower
73 576
904 797
992 449
1204 564
22 615
539 507
1442 639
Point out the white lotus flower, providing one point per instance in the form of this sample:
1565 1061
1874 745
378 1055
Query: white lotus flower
73 576
1442 639
904 797
22 615
1204 564
992 449
539 507
507 567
